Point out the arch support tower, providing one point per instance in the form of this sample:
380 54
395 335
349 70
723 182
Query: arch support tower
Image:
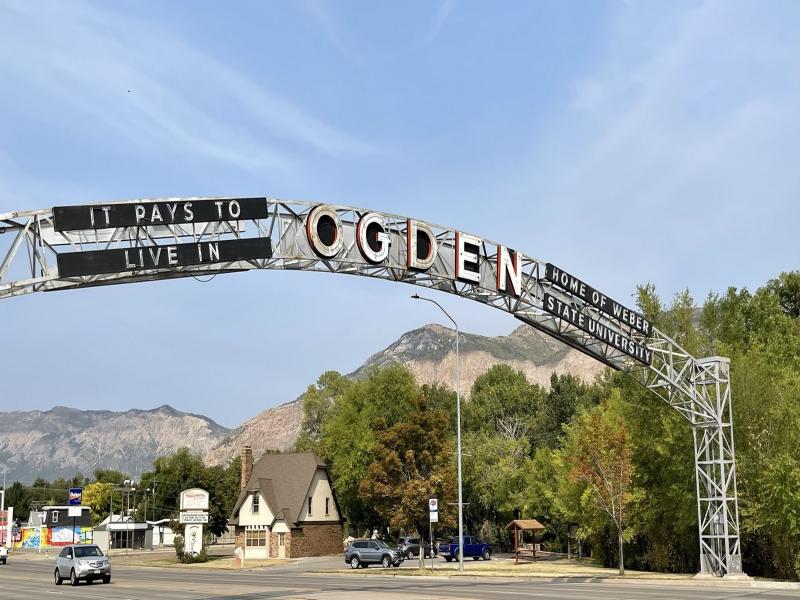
715 472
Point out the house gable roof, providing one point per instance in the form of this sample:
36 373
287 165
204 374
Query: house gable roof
283 480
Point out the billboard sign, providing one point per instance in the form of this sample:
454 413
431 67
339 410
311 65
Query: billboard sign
75 497
194 499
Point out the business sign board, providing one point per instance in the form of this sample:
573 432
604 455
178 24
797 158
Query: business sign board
434 516
74 512
193 517
194 499
75 497
144 214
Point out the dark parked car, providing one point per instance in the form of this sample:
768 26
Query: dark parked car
472 548
81 562
409 546
363 553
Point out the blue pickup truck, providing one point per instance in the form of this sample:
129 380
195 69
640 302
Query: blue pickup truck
472 548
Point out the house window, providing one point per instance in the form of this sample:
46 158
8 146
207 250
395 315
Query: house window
309 506
54 516
256 538
256 503
281 539
327 506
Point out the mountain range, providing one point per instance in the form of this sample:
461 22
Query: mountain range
63 441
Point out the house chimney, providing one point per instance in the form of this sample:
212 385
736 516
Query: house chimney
247 465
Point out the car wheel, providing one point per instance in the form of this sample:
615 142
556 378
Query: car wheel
386 562
57 579
487 554
355 563
107 579
73 577
448 558
410 554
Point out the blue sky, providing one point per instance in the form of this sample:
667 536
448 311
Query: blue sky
624 141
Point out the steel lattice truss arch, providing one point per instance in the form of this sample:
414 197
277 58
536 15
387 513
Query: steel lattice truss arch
698 389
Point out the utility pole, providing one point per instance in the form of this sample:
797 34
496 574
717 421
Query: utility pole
458 436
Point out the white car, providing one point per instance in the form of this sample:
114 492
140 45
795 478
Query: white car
3 554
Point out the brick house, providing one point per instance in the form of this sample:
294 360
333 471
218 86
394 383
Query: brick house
286 507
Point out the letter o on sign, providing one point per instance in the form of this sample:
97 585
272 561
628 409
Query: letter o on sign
324 231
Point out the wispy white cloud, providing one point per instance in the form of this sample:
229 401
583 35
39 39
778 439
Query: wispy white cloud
357 50
153 89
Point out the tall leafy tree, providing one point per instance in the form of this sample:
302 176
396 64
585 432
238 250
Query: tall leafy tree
600 457
413 462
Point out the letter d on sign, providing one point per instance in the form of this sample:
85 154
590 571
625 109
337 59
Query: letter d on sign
419 236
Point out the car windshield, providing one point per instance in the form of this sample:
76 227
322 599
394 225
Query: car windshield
381 544
83 552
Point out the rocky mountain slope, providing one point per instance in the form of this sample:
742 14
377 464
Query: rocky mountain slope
429 353
63 441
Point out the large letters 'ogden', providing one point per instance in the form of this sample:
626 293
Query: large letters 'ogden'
597 329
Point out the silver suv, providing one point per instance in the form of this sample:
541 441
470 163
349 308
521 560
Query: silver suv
82 562
363 553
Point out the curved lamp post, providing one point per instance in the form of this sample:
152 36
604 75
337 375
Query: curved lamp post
458 435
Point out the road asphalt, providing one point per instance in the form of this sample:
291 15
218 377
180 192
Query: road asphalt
32 579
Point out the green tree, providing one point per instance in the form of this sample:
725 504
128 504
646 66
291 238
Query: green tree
98 497
18 497
600 454
317 403
413 462
348 434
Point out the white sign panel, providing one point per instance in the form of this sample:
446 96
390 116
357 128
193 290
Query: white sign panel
194 499
433 504
192 539
434 516
193 517
74 511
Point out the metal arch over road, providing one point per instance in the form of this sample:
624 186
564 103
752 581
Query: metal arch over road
144 240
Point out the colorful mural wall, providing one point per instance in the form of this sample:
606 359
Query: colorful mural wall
53 536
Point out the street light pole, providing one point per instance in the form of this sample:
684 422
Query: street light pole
458 435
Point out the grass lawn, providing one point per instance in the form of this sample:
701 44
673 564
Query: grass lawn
505 567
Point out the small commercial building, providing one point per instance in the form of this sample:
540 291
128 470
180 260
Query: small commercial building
123 532
286 508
